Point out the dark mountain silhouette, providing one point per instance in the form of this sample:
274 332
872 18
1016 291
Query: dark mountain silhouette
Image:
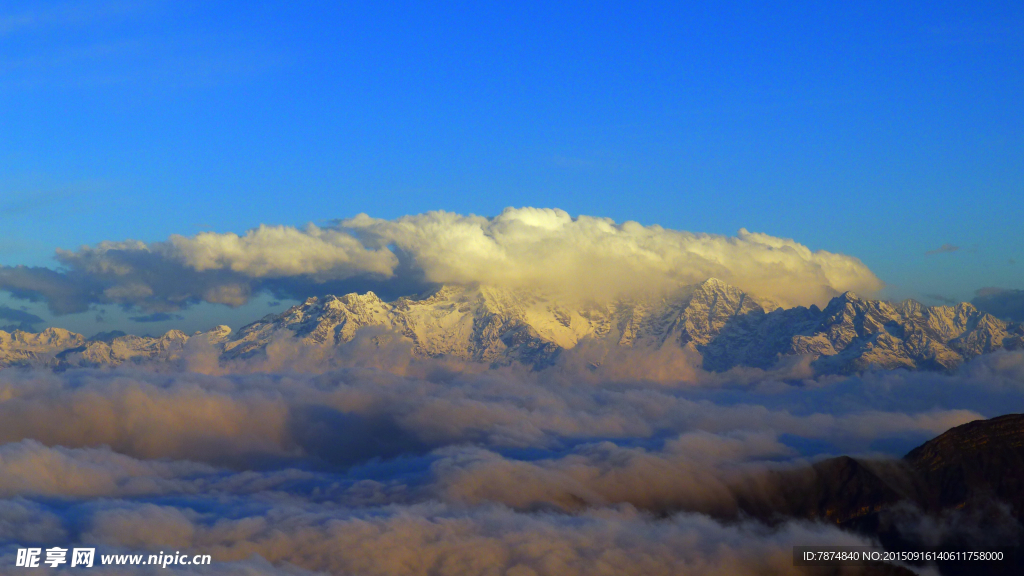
963 490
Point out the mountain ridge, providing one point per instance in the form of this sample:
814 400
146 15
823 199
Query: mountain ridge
726 326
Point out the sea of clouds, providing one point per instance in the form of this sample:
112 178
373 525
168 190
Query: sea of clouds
377 463
366 460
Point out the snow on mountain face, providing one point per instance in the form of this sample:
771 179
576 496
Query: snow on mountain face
499 326
60 349
480 324
726 326
26 348
852 334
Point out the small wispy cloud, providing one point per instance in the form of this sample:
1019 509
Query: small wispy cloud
71 14
943 249
21 204
157 317
942 299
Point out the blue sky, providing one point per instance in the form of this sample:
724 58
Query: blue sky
879 131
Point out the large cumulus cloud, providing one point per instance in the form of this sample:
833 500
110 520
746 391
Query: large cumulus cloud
217 268
546 249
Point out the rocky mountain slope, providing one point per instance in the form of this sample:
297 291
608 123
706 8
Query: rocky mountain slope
970 465
726 326
963 490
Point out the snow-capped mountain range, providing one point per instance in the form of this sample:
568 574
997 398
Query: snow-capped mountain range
724 325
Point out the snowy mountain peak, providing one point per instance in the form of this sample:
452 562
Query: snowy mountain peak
725 325
218 333
713 283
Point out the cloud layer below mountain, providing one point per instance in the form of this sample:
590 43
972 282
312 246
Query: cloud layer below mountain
376 463
545 249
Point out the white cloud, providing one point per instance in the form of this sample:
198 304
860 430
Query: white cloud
545 249
280 251
595 257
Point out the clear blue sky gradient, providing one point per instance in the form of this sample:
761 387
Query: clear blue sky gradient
870 129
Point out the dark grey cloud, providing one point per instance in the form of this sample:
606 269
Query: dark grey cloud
148 278
1001 302
22 320
63 292
943 249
